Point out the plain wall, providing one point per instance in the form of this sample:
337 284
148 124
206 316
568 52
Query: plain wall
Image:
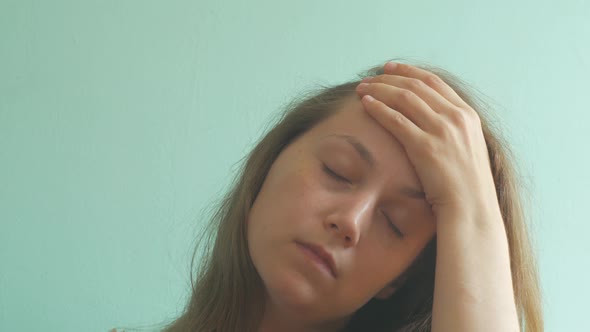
122 121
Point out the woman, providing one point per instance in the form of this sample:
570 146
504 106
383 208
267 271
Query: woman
385 206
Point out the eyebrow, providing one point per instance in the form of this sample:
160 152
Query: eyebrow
367 156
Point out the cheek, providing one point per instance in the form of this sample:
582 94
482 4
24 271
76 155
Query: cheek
380 266
298 194
375 268
286 195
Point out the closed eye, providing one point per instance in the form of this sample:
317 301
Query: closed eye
393 227
333 174
338 177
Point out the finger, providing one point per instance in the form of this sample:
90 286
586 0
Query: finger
395 122
434 99
427 77
405 102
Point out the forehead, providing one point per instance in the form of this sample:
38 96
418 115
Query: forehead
353 120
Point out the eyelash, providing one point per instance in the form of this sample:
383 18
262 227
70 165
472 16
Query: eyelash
392 225
333 174
343 179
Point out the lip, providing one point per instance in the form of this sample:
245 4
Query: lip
322 254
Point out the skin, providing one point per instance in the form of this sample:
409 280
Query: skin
300 201
443 138
422 135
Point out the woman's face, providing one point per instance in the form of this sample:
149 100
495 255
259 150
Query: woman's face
301 201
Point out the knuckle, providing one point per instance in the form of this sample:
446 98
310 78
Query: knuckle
432 80
459 118
396 119
464 120
416 84
473 115
441 128
406 95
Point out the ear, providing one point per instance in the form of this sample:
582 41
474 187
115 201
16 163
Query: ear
386 292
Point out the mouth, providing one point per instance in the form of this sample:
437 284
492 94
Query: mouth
320 256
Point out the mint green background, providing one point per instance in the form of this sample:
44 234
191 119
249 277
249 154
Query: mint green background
121 121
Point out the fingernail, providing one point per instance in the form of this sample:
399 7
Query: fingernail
366 79
390 65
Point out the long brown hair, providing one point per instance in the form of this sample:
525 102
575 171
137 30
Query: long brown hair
227 293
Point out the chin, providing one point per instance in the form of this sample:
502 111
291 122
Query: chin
291 290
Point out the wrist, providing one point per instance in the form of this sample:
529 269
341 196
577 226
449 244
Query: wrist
485 213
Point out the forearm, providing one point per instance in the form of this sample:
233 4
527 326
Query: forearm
473 283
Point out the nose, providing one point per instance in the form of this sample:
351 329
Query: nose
348 218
